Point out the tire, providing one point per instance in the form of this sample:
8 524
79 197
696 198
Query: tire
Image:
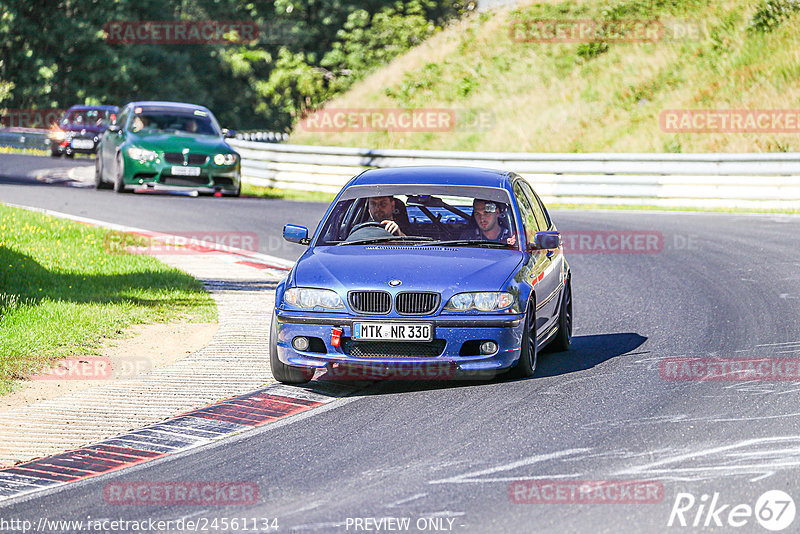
287 374
562 340
119 176
98 174
69 155
55 154
526 366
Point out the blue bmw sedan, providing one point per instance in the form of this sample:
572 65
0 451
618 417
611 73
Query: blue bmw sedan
455 269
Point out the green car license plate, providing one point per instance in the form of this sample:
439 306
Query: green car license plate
185 171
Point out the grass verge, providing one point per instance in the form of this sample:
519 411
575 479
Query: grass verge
316 196
509 91
25 151
632 207
286 194
62 290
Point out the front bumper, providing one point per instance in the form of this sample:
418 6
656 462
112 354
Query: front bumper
68 146
157 175
456 340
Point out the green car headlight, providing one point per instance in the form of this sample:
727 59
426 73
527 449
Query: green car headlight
304 297
484 301
141 154
225 159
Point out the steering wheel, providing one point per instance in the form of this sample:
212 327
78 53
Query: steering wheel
367 224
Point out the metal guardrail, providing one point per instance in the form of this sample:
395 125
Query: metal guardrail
770 180
24 138
263 137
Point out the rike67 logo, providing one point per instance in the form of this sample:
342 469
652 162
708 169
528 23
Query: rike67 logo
774 510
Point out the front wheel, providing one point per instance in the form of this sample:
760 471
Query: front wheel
119 178
288 374
526 366
98 174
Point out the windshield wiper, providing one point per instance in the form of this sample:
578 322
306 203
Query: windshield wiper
468 243
384 239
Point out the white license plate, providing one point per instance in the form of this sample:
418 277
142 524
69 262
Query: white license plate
82 143
186 171
393 331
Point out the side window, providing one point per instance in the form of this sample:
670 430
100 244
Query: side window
528 215
122 118
541 216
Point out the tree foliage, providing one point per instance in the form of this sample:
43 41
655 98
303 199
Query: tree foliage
55 54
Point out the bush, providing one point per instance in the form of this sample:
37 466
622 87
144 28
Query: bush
771 14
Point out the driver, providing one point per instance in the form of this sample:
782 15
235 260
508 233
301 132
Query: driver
488 225
383 210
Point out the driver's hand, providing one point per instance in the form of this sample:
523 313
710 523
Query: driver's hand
392 227
512 240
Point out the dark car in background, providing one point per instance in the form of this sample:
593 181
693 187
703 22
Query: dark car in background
167 146
79 130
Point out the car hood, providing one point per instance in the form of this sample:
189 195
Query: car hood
175 142
446 270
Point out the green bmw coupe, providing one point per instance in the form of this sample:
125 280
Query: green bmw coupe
167 146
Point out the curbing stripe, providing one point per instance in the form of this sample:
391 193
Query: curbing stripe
183 432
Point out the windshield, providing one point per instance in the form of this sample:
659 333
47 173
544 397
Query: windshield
421 220
153 121
87 117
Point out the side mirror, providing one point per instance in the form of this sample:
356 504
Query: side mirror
228 134
296 234
545 241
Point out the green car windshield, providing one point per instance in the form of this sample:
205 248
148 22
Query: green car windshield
151 121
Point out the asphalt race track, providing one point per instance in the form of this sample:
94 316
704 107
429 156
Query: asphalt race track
449 455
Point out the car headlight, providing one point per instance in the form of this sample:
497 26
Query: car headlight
225 159
141 154
304 297
484 301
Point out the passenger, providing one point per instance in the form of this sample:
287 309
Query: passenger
139 123
384 210
488 227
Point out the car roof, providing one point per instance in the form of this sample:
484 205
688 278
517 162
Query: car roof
435 175
157 104
86 107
